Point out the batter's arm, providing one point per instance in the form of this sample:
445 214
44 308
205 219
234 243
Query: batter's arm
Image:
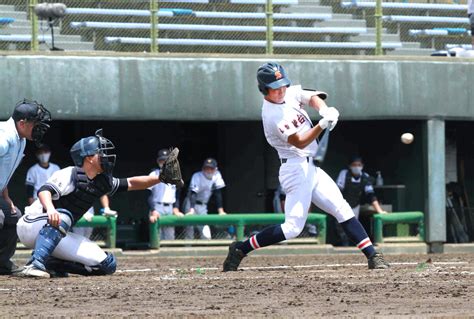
142 182
317 103
304 139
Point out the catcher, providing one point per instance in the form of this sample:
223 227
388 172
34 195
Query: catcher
66 196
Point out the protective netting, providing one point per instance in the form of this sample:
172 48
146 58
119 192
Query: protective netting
243 26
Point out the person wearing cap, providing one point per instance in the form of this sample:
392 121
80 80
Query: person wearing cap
164 198
30 121
204 184
356 186
39 173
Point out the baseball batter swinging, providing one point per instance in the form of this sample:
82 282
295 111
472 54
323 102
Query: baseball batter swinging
66 196
289 130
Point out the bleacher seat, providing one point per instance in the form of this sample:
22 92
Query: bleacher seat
254 43
217 28
439 32
404 5
425 19
6 21
23 38
198 14
463 46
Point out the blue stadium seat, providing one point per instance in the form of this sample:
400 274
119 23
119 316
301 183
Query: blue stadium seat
439 32
5 21
217 28
254 43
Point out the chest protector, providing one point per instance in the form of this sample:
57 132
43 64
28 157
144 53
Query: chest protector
353 191
86 192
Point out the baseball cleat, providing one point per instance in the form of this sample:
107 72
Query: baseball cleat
32 271
234 257
378 262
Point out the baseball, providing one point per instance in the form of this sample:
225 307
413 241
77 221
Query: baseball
407 138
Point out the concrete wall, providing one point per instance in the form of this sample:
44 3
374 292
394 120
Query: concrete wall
183 88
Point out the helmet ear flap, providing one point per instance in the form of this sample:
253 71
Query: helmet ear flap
262 88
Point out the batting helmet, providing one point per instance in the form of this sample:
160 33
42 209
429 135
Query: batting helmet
89 146
163 154
271 75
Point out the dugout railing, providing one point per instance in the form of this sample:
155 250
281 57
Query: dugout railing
110 223
237 220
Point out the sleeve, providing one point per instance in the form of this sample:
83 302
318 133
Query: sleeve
304 95
30 190
30 178
341 179
177 195
118 185
151 203
4 145
194 184
219 181
369 190
60 183
192 199
287 128
217 193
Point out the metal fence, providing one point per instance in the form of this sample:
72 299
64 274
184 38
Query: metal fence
240 26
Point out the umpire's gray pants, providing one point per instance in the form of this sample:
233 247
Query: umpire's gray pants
8 236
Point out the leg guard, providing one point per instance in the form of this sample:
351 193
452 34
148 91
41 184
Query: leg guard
106 267
47 240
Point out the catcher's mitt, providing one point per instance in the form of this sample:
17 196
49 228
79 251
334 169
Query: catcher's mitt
171 172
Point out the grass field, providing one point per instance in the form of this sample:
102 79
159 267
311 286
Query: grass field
286 286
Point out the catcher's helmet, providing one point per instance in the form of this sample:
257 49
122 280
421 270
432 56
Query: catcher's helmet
91 145
163 154
271 75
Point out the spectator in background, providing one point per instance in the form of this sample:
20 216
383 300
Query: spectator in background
356 184
204 184
39 173
470 14
164 198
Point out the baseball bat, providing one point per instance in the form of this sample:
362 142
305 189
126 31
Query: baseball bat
323 146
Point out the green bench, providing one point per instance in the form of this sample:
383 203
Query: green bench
101 221
239 220
397 218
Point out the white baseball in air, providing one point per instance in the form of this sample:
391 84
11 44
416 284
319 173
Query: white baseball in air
407 138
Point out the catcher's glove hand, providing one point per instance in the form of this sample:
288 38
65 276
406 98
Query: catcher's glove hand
170 173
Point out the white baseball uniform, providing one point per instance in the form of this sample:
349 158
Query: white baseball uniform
163 199
300 179
38 175
72 247
203 187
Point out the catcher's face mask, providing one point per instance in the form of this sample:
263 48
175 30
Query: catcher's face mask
106 156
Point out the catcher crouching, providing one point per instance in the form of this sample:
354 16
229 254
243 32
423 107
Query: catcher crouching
66 196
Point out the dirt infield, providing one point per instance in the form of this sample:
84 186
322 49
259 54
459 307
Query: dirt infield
293 286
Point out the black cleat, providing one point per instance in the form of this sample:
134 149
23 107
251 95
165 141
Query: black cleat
378 262
234 257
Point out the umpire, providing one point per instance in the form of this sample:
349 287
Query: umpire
30 121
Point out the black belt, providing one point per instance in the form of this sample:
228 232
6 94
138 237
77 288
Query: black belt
284 160
200 203
164 204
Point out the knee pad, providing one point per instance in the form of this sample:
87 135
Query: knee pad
65 222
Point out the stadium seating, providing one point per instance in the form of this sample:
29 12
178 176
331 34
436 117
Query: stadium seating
440 32
405 6
197 14
426 19
254 43
216 28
